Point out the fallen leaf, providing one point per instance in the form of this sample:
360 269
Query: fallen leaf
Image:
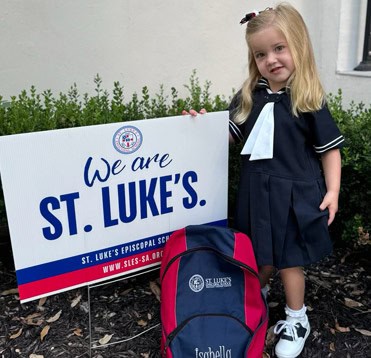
55 317
365 332
344 257
357 292
319 282
16 335
332 347
273 304
351 303
44 332
341 329
78 332
142 323
351 285
105 339
156 290
42 301
76 301
12 291
145 355
315 334
33 355
125 292
33 319
270 337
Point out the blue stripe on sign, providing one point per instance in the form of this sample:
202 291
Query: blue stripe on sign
69 264
74 263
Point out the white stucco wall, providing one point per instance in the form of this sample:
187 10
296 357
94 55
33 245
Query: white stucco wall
52 44
341 48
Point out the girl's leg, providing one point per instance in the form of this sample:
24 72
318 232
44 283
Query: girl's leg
295 329
294 284
265 273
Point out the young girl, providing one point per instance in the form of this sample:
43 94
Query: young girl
284 204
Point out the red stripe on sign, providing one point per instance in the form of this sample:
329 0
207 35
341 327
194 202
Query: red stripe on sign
89 274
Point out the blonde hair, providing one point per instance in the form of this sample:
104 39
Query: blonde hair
305 89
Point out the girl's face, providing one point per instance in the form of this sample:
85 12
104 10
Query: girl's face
272 57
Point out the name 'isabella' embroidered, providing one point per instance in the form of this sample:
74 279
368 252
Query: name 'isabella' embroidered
221 352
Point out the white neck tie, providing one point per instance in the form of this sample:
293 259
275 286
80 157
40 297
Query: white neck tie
260 141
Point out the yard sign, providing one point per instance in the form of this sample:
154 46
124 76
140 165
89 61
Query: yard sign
91 203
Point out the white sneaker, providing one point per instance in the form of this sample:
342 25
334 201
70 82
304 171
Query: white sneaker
293 333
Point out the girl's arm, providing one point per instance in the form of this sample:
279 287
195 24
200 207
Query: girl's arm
331 162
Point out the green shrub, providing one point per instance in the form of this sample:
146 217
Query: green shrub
354 204
31 111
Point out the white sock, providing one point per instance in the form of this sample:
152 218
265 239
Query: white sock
298 314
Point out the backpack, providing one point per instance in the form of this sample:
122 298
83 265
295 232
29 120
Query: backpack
211 302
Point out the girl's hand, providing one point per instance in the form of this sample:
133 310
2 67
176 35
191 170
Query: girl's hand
330 201
194 113
331 161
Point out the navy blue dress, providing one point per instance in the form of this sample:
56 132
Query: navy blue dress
278 199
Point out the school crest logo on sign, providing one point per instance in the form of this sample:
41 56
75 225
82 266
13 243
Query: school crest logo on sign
127 139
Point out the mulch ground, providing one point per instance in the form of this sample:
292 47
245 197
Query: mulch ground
127 311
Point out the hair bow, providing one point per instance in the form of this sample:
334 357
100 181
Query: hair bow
251 15
248 17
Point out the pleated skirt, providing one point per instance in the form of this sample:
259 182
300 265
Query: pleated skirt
283 219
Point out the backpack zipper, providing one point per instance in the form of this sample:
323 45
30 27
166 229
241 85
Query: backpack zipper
206 248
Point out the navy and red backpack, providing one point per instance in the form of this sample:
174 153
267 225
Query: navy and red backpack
211 302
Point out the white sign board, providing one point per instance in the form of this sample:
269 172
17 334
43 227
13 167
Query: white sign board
91 203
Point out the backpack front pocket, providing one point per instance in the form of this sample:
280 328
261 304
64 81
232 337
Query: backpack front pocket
210 336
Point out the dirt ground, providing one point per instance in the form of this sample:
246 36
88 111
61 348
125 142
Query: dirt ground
127 311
